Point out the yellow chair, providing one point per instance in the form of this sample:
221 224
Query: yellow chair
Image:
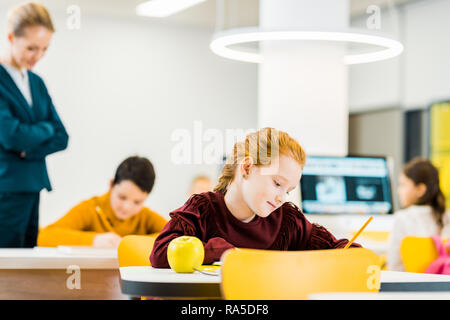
417 253
135 250
252 274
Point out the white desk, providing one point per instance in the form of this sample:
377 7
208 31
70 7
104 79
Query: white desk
380 296
396 281
399 276
148 281
58 258
46 273
399 286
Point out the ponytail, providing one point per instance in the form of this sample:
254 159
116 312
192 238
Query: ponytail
229 169
226 178
422 171
438 205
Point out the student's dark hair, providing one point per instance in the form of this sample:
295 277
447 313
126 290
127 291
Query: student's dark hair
137 169
420 170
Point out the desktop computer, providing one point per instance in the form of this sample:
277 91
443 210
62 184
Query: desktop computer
346 185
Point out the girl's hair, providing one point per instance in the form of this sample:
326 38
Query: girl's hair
263 146
420 170
26 15
139 170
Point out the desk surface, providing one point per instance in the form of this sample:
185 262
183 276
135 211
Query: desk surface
44 273
380 296
151 275
395 281
148 281
399 276
58 258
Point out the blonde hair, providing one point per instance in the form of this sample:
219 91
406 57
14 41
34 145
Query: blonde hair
26 15
263 146
200 177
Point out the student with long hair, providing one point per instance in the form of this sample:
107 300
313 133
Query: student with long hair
248 207
423 213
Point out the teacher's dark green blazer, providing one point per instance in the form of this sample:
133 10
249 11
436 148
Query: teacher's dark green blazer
35 132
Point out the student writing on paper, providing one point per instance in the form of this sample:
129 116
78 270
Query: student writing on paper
423 213
102 220
248 207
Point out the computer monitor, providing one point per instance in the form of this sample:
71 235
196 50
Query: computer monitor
346 185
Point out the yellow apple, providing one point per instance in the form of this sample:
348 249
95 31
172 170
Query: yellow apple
185 254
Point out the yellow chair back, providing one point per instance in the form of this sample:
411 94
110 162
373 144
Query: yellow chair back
252 274
134 250
417 253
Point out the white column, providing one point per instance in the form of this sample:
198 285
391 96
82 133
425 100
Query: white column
303 84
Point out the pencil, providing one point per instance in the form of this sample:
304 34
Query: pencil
357 234
105 220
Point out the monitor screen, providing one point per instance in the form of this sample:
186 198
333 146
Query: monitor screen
346 185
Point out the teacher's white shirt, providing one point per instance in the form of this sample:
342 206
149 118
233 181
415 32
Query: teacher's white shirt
20 78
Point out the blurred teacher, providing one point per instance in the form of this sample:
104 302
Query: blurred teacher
30 128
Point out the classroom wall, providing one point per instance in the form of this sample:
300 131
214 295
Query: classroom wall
123 86
420 75
377 85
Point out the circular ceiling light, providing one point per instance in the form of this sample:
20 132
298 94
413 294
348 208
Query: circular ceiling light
222 41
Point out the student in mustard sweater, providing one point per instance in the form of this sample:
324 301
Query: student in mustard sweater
103 220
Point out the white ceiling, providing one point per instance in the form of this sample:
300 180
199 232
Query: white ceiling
246 11
204 14
201 15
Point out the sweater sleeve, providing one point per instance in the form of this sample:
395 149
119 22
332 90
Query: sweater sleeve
309 236
155 222
321 238
71 229
186 221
